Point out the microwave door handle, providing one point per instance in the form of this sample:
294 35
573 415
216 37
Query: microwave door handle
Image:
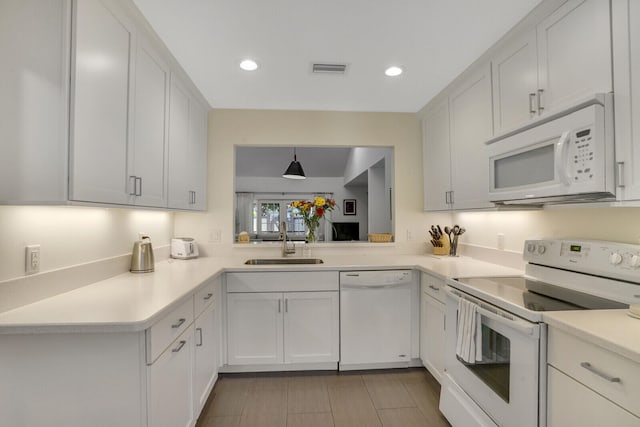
561 157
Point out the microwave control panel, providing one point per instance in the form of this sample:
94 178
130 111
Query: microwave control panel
581 155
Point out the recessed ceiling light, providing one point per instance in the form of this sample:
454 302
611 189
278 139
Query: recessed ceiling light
249 65
393 71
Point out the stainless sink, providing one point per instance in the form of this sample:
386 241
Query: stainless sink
274 261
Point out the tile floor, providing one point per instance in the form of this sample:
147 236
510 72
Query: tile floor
348 399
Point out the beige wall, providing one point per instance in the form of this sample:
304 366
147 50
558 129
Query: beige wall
74 235
312 128
616 224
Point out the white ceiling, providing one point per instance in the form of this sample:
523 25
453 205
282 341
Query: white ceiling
433 40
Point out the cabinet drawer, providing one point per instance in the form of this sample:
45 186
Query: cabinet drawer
433 286
281 281
167 329
204 297
597 368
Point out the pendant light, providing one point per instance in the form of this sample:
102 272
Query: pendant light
294 171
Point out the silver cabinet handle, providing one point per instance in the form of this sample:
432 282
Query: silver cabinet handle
620 173
199 331
279 306
590 368
286 305
434 288
532 109
179 347
446 197
180 322
139 191
540 107
133 185
207 297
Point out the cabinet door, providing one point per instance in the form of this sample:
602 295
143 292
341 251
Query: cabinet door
626 43
436 158
206 357
515 83
197 153
254 322
433 323
34 76
311 328
171 384
574 53
147 161
570 403
187 150
104 42
471 125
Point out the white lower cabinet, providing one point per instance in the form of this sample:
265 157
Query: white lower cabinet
206 361
589 385
282 327
170 377
573 404
157 377
255 333
311 327
432 324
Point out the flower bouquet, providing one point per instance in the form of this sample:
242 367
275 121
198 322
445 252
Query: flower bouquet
311 212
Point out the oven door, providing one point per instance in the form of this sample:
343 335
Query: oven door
504 383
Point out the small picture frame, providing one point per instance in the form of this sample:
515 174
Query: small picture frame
349 206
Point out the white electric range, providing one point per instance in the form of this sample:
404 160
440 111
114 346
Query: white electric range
503 383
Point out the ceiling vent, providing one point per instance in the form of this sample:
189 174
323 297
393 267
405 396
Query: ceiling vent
325 68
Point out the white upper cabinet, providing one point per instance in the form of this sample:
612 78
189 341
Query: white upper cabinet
104 42
470 113
147 170
187 149
34 88
515 83
436 157
574 53
626 55
564 59
85 108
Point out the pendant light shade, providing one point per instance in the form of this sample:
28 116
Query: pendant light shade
294 171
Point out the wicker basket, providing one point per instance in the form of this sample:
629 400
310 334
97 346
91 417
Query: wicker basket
380 237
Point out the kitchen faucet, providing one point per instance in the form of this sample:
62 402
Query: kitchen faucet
286 250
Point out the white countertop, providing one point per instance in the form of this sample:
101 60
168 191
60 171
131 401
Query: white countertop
133 302
614 330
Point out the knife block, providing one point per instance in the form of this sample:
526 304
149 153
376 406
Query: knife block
446 247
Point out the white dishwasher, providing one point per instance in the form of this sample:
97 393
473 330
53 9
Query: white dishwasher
375 319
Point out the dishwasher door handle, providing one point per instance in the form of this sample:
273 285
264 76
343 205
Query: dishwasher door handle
372 287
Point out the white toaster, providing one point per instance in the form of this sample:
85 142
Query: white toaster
184 248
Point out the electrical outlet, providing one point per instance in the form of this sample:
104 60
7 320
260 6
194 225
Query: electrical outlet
409 236
32 259
501 241
215 235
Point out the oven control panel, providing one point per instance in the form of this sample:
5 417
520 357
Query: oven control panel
597 257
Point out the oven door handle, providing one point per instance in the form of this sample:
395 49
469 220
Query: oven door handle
519 325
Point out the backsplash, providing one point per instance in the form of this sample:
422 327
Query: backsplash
71 235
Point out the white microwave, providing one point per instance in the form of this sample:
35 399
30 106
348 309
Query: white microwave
565 157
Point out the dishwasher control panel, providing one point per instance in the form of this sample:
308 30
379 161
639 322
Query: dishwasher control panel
376 277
